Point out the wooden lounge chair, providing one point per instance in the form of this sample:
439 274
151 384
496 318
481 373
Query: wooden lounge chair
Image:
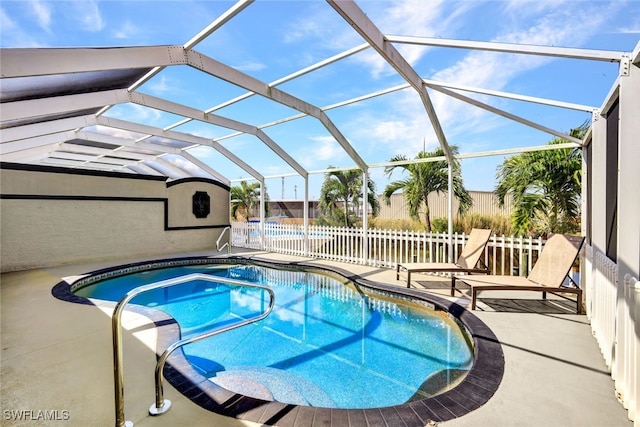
547 275
467 261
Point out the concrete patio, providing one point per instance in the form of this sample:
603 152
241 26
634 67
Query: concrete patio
57 359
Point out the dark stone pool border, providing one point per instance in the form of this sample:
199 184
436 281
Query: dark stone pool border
478 386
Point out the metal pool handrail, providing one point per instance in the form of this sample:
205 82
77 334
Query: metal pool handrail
227 243
161 405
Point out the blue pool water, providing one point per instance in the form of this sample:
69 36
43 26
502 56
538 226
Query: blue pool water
327 343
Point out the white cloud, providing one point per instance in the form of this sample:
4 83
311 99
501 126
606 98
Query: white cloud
6 22
136 113
250 66
319 28
14 35
304 28
198 129
160 85
632 29
275 169
87 13
43 12
126 31
525 8
323 150
404 18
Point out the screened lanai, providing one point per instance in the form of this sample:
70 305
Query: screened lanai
73 107
280 92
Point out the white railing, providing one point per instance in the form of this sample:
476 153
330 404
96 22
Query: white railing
626 365
613 307
384 248
603 300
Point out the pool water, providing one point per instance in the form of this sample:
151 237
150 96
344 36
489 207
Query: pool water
327 343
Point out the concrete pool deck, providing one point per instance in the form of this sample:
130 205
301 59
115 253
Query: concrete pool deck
56 364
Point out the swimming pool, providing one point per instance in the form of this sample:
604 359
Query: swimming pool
474 389
327 343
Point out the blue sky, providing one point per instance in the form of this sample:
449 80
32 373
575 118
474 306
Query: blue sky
271 39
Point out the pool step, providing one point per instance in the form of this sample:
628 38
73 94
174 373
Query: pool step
272 384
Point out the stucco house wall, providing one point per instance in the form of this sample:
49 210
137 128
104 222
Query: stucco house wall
52 216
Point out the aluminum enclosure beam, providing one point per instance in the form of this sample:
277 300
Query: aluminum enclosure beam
37 141
532 99
73 164
43 128
36 107
162 150
196 140
432 84
217 23
30 154
128 143
56 61
174 171
506 114
503 152
368 30
87 158
296 74
101 152
205 167
231 75
26 62
21 149
52 151
194 114
23 62
143 169
58 104
563 52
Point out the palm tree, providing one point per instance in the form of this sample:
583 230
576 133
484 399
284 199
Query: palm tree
345 188
545 186
425 178
245 198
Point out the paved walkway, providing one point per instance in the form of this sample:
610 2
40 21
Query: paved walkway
56 360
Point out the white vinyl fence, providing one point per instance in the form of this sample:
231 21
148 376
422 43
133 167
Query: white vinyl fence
613 307
384 248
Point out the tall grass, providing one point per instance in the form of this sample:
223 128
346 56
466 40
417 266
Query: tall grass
500 224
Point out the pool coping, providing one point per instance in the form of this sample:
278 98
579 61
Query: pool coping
477 387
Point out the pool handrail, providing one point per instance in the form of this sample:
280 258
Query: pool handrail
117 337
227 243
160 406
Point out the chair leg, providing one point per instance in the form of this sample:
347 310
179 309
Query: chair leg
453 285
579 306
408 279
474 295
398 272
